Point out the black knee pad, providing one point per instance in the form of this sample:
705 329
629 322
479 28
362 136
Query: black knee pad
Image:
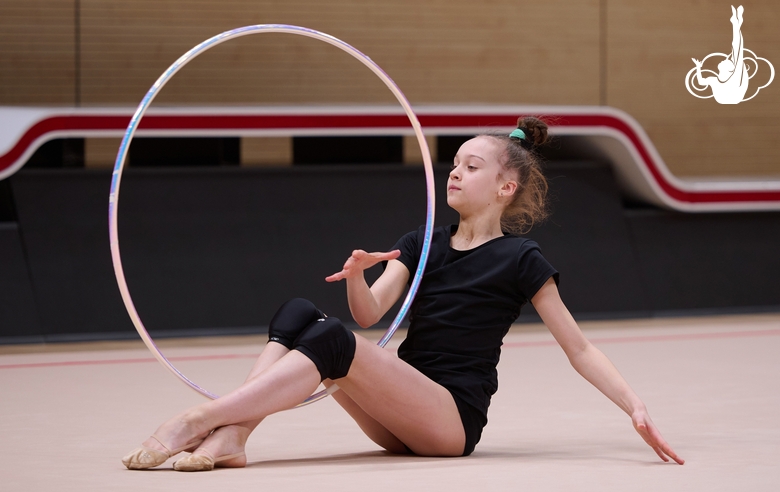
329 345
291 319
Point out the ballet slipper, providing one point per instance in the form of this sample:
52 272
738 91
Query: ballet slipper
143 457
202 462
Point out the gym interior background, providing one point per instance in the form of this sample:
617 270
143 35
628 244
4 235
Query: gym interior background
218 231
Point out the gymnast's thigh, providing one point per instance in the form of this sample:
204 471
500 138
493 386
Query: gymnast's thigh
414 409
369 425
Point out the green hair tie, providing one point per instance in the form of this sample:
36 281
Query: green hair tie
517 134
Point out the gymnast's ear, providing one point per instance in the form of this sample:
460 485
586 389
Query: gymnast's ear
508 188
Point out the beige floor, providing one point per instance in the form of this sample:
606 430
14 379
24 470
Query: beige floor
69 412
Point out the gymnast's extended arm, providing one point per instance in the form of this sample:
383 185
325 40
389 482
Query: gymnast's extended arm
368 305
704 82
595 367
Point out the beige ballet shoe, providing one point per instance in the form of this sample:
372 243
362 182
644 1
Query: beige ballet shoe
202 462
142 458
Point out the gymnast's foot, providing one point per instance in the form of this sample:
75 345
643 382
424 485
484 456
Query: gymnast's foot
736 16
177 435
223 448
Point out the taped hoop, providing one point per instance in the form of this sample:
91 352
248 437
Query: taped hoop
113 201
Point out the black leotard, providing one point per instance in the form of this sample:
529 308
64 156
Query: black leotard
466 302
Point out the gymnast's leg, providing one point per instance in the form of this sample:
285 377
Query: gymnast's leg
231 439
292 318
400 405
736 38
369 425
388 412
418 411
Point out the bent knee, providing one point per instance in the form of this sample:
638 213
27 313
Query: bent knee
291 319
330 345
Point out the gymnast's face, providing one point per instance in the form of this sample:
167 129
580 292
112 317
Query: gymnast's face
476 182
725 69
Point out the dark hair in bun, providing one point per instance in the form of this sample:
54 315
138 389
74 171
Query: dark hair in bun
529 204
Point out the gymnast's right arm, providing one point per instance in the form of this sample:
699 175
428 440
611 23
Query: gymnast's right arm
368 305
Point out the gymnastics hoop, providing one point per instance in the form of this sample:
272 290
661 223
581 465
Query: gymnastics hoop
113 201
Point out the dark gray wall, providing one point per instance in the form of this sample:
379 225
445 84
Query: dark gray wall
18 314
216 250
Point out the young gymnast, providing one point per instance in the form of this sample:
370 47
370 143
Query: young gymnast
431 399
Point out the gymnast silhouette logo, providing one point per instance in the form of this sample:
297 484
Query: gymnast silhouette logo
730 84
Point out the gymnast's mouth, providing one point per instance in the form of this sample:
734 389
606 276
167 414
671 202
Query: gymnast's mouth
452 187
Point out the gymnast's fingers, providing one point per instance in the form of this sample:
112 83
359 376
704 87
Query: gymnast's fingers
390 255
667 450
659 444
366 260
345 271
335 277
359 261
652 436
355 263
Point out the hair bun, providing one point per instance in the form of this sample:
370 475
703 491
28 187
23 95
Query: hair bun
534 128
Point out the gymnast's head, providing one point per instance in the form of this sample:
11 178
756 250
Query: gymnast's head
502 173
725 69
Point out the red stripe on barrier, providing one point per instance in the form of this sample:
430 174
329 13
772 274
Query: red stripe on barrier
669 188
60 123
364 121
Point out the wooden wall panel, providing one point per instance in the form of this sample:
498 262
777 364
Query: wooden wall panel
649 51
449 52
266 151
413 153
100 152
37 49
498 51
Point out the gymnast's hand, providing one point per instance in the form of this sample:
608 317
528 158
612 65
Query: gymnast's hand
652 436
359 261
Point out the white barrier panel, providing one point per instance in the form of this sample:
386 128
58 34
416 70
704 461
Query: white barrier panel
608 131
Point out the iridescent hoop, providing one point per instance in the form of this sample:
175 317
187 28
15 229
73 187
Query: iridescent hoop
113 201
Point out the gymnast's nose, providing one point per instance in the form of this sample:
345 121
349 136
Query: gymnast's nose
455 174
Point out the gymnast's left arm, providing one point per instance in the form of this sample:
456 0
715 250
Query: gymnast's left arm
595 367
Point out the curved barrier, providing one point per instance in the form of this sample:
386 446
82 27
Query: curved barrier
608 131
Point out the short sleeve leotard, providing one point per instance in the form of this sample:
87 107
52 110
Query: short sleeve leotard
464 307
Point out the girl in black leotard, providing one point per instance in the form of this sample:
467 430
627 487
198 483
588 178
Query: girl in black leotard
432 398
